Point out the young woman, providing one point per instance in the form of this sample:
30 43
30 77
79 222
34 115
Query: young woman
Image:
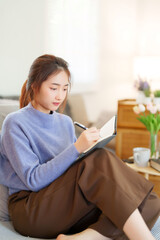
51 193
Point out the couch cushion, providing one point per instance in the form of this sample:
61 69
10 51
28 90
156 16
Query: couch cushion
4 216
6 107
156 229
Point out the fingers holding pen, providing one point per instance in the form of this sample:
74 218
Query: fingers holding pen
92 134
87 138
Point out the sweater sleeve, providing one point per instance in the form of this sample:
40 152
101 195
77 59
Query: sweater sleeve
25 162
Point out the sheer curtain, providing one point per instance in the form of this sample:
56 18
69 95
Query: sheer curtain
72 32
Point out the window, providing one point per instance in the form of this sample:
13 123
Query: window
72 33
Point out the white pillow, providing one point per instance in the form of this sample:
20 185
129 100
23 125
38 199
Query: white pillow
4 215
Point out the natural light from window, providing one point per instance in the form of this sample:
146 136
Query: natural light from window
72 33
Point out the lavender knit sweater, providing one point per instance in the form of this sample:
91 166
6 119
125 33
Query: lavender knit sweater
36 148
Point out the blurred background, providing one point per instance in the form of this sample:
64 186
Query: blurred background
107 43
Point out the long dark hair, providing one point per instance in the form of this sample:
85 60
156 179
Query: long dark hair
40 70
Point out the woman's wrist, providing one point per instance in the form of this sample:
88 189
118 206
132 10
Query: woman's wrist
78 147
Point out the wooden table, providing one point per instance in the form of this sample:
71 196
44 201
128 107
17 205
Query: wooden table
146 170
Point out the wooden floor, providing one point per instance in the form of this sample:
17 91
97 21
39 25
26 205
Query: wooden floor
156 182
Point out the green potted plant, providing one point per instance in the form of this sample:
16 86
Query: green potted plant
147 93
157 96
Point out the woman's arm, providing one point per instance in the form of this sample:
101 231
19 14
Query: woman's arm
25 163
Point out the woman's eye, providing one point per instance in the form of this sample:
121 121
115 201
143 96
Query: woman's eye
53 89
65 89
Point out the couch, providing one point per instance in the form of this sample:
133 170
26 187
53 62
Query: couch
79 114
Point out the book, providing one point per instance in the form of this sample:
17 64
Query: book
107 132
155 163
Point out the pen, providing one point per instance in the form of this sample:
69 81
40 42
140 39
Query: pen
80 125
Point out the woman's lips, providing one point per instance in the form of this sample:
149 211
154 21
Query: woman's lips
56 104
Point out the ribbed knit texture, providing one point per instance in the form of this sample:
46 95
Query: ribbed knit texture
36 148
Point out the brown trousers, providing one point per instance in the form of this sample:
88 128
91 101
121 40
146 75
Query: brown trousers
99 192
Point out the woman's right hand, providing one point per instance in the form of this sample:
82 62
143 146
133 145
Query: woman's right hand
86 139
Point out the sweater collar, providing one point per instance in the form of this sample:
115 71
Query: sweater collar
43 119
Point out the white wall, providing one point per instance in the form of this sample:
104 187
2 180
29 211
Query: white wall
127 28
148 39
118 35
21 41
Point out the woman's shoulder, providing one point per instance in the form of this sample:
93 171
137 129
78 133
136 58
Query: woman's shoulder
14 117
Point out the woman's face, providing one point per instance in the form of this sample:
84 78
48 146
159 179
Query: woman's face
52 92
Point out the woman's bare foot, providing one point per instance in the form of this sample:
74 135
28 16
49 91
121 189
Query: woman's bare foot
88 234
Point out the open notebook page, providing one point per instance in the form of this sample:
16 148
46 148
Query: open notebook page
106 131
108 128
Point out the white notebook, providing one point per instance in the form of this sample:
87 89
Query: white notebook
107 132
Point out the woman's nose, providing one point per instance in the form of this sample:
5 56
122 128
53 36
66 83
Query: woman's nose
59 95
